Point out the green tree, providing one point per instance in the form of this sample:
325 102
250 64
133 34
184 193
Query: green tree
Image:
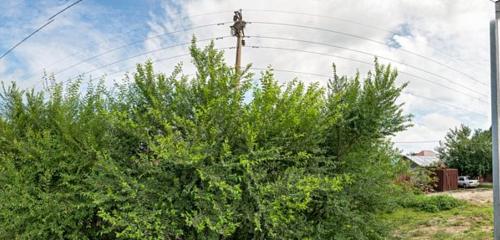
467 150
213 156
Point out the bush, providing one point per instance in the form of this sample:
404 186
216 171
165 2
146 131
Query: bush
213 156
431 203
416 180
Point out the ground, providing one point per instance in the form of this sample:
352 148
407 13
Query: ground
476 196
473 220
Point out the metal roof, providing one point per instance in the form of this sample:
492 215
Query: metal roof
423 161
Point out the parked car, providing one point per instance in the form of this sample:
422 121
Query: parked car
466 181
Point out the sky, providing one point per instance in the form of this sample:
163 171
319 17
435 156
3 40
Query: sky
440 47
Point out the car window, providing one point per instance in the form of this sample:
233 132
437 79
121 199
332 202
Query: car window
461 178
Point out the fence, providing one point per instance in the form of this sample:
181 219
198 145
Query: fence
447 179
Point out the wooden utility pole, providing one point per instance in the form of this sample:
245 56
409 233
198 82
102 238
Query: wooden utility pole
238 30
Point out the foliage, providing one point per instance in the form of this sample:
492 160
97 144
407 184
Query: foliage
215 156
417 179
431 203
424 179
468 151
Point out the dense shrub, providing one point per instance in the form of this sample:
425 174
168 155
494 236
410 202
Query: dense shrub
431 203
215 156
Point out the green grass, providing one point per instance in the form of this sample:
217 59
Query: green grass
431 203
464 222
486 185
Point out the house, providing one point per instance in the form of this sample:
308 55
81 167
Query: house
424 158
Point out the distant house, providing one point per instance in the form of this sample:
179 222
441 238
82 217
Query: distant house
425 158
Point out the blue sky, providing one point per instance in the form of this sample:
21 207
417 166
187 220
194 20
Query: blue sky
454 33
106 20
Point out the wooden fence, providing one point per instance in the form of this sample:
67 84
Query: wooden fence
447 179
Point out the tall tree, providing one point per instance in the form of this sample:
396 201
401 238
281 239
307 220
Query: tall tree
467 150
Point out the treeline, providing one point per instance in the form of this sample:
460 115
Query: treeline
215 156
468 150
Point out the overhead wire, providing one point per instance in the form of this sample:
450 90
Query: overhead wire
371 54
49 21
366 63
64 9
315 74
368 26
127 32
363 52
278 48
370 40
159 60
434 100
143 54
26 38
136 42
109 64
416 142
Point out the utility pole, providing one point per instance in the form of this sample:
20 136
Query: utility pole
494 54
238 30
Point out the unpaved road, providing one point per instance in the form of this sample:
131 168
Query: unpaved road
474 195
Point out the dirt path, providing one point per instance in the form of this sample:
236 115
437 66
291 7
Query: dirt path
475 195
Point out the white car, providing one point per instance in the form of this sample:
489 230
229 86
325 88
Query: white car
466 181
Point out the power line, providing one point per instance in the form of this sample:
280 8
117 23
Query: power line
155 61
143 54
129 31
321 16
136 42
369 64
158 60
26 38
412 142
372 54
88 59
434 100
291 71
370 40
359 24
49 21
64 9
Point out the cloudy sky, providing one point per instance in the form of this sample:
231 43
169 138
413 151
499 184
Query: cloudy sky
440 47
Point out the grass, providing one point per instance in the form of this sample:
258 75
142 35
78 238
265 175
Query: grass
431 203
464 222
486 185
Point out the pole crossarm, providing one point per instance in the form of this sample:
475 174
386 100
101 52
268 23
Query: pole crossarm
238 31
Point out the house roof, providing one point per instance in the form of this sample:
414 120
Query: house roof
425 153
423 161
